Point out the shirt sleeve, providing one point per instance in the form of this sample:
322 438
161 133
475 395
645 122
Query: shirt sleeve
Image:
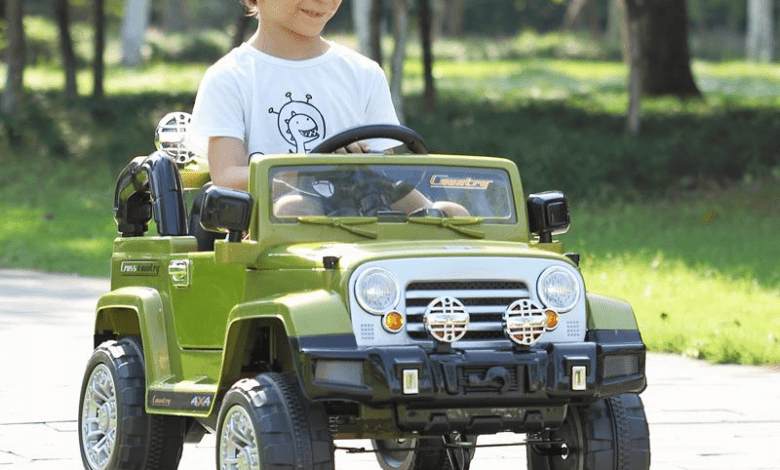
380 108
218 111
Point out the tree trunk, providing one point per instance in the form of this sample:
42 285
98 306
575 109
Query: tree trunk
134 23
98 64
429 94
62 13
634 60
617 30
376 30
663 47
454 21
574 13
759 46
15 56
400 26
175 15
242 23
361 19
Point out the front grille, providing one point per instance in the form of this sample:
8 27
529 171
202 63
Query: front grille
485 301
473 379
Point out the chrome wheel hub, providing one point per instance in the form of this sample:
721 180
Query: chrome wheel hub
238 442
98 418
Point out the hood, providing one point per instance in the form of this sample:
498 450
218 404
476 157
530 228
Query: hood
350 255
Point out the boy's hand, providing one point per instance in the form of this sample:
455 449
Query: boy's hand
355 147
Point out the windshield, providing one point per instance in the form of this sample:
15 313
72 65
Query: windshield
392 192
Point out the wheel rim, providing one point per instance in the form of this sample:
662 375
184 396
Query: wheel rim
98 418
395 452
238 442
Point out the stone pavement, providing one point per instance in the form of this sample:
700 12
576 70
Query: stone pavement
702 416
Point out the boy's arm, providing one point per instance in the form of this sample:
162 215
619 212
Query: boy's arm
227 162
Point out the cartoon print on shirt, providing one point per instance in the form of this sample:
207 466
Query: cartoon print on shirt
300 123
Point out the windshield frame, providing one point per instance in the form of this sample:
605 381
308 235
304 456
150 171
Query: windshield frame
406 191
269 232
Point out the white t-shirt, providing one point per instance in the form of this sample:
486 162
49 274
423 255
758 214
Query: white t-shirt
279 106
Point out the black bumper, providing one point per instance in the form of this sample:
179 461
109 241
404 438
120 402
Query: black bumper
537 381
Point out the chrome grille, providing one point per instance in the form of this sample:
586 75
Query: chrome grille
485 301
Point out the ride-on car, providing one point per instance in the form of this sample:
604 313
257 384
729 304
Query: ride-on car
418 300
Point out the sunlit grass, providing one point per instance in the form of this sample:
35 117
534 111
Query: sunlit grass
700 312
700 272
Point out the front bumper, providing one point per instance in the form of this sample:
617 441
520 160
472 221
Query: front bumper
512 382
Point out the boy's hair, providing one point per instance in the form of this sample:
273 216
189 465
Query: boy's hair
251 7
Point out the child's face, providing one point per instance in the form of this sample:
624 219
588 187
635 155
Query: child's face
303 17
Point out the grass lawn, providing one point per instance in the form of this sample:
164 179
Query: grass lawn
699 267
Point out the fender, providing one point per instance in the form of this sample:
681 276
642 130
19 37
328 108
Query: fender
313 313
605 313
147 306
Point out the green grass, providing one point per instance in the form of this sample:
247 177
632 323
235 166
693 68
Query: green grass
699 271
56 216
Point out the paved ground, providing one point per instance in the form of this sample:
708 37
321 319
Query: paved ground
702 417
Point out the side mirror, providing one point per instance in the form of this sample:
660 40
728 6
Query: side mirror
548 214
226 209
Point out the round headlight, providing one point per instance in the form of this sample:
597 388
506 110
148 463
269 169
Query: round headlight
558 289
377 291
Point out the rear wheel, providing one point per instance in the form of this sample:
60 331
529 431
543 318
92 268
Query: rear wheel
265 423
114 430
610 434
420 454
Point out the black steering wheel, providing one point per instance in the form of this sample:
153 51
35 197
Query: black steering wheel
406 136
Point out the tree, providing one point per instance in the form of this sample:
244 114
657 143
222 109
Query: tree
580 12
134 23
361 19
400 25
429 93
98 66
15 53
759 46
659 53
375 38
175 15
62 13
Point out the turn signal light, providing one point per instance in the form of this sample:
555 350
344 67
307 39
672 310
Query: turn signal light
552 319
393 321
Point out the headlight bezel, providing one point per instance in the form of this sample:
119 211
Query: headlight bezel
542 293
359 294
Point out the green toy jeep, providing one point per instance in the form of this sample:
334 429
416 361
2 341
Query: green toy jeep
416 300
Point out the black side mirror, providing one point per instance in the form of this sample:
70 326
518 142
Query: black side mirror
548 214
226 209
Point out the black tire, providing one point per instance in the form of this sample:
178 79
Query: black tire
275 426
610 434
398 454
116 380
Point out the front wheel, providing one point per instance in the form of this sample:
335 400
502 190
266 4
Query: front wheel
610 434
114 430
265 424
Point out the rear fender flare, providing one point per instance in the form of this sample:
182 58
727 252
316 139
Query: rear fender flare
131 311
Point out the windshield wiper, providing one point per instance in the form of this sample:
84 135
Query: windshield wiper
455 224
350 224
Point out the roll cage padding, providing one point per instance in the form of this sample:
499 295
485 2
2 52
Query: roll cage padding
146 187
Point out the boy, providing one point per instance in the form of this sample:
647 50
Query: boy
284 91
